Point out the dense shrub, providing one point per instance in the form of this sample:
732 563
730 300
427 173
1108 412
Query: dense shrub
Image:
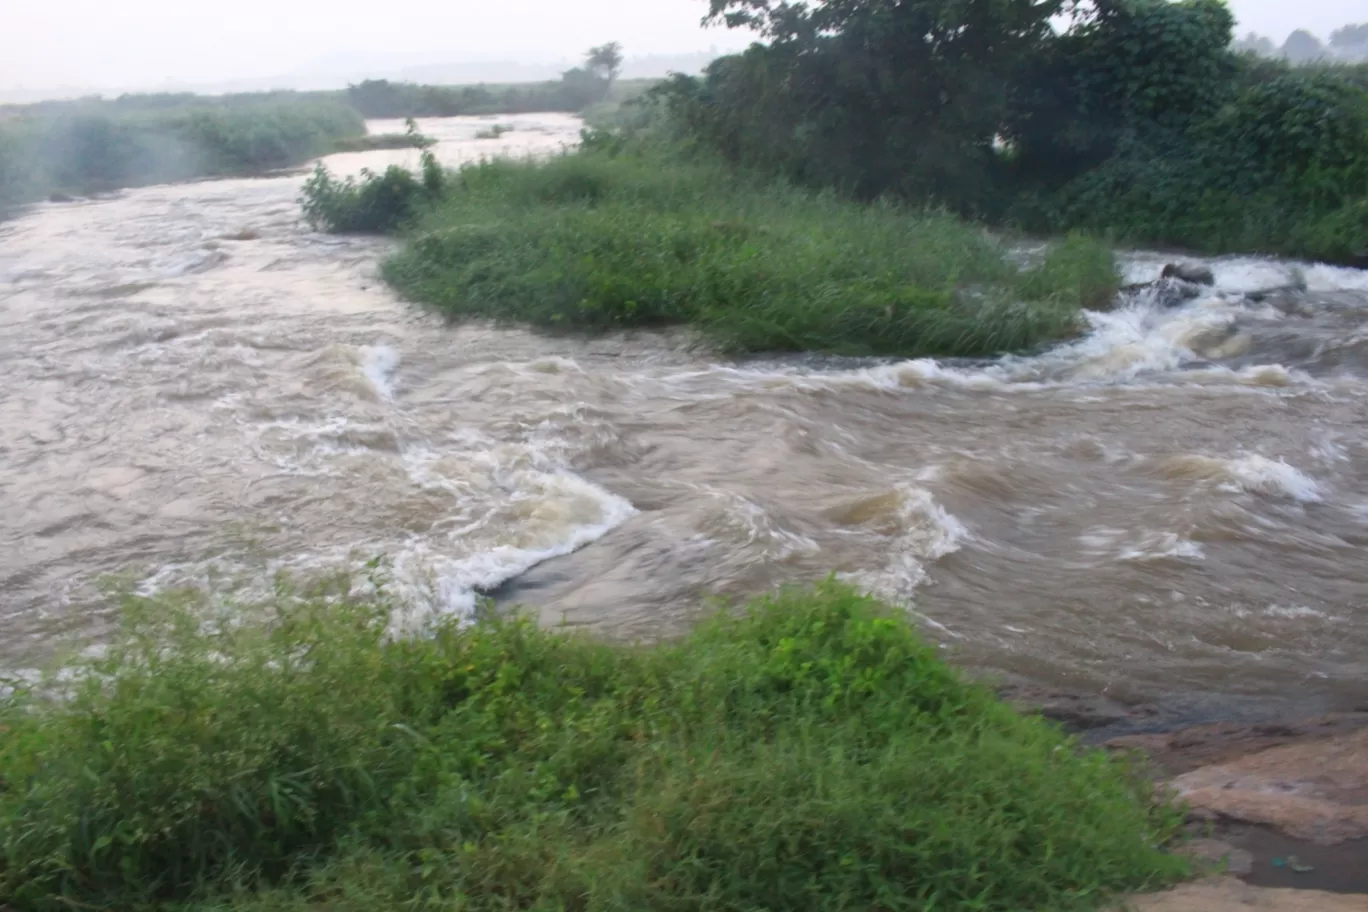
808 752
375 204
1136 119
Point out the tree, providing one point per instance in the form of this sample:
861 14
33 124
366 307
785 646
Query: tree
605 61
1350 37
1253 43
1303 47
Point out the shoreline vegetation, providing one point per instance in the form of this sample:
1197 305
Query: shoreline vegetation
832 188
63 149
804 751
86 147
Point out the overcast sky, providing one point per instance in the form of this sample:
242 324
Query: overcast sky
119 44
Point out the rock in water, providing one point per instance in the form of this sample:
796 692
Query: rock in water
1229 895
1196 273
1316 791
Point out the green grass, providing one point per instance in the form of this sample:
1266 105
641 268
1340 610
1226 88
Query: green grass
605 239
806 753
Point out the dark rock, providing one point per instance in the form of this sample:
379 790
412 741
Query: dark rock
1076 712
1178 752
61 198
1167 292
1195 273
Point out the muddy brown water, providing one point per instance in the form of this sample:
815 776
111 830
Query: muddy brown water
194 387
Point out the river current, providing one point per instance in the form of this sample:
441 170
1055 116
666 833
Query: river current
196 388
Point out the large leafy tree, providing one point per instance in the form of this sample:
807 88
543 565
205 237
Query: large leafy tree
605 61
878 96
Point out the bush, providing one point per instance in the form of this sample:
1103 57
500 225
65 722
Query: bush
376 204
1136 119
611 239
809 752
1279 168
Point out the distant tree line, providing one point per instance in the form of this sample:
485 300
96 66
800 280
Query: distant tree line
92 145
88 145
1346 45
577 89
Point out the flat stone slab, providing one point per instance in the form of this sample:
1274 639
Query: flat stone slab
1316 790
1227 894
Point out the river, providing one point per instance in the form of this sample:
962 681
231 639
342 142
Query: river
195 388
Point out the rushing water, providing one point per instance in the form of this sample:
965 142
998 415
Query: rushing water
193 386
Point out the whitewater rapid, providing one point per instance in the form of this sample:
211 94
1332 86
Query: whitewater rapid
195 389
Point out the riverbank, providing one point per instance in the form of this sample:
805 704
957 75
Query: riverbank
805 752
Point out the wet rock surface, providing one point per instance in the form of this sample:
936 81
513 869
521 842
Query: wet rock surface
1196 273
1227 894
1186 749
1280 805
1316 790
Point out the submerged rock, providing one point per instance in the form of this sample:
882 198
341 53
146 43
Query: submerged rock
1167 292
1194 273
1317 790
1076 712
1185 749
1218 857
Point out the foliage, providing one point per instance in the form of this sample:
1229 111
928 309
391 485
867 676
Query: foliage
96 146
605 61
807 752
1350 36
375 204
615 237
577 88
870 96
1136 118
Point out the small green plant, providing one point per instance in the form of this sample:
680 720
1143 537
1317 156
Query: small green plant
375 204
807 752
493 132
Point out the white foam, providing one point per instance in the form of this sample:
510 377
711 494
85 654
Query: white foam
378 363
1261 475
926 532
567 513
1294 612
1139 545
1320 277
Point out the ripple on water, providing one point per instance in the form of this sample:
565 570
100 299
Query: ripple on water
198 387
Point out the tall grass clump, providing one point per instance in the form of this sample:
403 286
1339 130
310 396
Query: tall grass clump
807 752
627 236
375 204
